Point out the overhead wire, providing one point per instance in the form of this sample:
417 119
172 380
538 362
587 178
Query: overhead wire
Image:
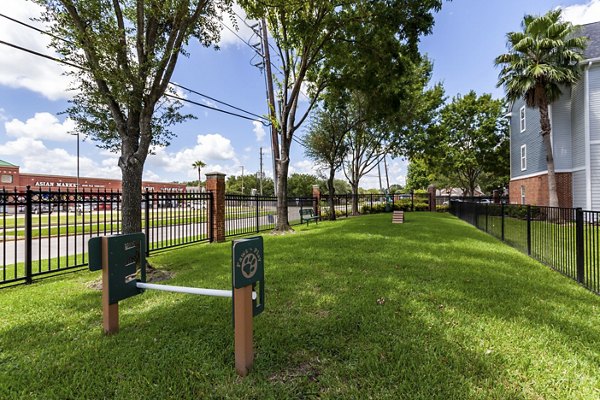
61 61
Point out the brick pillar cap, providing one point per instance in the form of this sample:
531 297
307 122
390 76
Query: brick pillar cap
215 174
315 186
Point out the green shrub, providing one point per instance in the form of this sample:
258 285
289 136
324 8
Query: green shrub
421 207
325 213
442 207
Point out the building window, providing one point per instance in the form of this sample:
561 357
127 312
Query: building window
523 157
522 121
6 179
522 194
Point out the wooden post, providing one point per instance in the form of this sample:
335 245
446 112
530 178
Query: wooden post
242 314
110 312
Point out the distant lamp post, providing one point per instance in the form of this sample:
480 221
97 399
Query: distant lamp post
242 178
77 134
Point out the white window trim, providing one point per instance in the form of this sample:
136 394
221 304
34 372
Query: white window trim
523 157
522 119
522 194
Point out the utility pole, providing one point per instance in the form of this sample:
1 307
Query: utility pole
387 178
261 172
242 179
271 100
379 173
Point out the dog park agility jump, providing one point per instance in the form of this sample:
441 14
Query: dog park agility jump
119 257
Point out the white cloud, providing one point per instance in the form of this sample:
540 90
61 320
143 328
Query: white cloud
151 176
259 130
580 14
35 157
228 38
213 149
303 167
41 126
19 69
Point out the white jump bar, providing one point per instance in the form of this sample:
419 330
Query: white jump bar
189 290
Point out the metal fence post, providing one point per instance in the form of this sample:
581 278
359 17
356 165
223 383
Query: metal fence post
502 220
28 236
257 215
528 230
580 248
147 221
412 200
487 212
346 205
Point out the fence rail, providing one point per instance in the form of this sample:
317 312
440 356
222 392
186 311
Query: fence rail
565 239
45 232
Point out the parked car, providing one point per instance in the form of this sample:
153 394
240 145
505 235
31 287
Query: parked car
41 208
85 208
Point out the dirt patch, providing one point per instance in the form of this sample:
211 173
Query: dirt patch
152 275
307 369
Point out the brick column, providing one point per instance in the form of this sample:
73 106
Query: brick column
215 184
316 193
431 190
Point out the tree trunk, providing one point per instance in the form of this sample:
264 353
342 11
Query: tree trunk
546 132
355 199
330 199
199 186
131 206
283 224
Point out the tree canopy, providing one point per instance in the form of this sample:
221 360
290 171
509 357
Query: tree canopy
127 51
361 45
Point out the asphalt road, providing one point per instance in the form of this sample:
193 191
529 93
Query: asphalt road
46 248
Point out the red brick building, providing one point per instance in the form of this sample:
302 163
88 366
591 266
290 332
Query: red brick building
10 178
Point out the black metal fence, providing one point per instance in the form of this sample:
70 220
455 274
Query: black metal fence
375 203
565 239
44 232
250 214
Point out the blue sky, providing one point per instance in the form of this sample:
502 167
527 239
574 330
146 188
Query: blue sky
468 34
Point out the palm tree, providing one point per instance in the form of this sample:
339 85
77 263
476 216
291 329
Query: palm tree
199 164
542 59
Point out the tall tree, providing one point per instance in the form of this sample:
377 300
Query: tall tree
541 59
419 175
300 185
233 185
472 128
325 144
199 165
315 40
128 50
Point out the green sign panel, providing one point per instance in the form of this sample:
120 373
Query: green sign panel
125 256
248 268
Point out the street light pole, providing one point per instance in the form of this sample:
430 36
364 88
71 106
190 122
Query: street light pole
242 179
77 134
77 159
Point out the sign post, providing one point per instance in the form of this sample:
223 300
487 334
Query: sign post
120 256
248 273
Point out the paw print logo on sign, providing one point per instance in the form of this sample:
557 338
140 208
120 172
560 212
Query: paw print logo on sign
249 265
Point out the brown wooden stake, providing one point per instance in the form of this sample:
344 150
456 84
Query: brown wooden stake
242 313
110 312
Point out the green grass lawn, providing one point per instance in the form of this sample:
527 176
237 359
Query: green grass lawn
358 308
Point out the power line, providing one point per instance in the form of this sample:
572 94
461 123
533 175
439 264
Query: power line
40 54
81 67
213 108
35 28
218 101
58 60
